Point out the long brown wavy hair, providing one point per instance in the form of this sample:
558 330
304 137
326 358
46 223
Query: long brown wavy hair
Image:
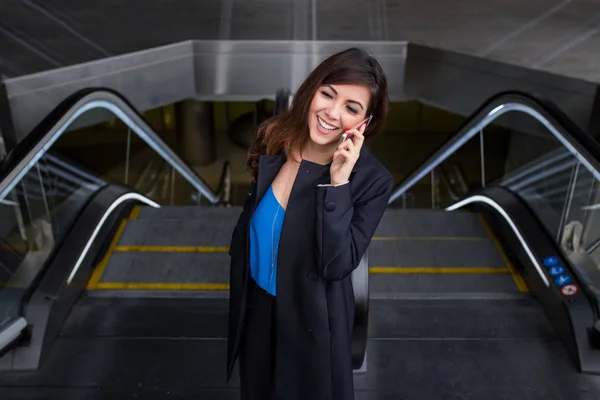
288 131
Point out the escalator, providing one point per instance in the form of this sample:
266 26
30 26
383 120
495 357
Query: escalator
117 288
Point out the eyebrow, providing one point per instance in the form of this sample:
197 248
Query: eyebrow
349 101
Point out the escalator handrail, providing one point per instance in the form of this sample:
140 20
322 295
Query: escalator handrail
12 332
582 146
25 155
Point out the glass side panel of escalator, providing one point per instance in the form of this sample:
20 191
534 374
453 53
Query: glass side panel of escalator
518 151
561 190
37 212
38 208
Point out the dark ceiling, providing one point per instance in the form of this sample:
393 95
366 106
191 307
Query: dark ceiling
559 36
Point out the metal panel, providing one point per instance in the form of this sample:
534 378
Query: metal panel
594 122
253 70
148 79
461 83
7 130
204 70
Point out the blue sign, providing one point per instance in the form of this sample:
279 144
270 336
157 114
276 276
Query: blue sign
557 270
550 261
563 280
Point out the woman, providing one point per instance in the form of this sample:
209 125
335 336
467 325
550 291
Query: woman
312 209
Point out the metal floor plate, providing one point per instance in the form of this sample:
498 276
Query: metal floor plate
421 350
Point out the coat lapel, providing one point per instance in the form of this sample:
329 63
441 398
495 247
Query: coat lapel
268 168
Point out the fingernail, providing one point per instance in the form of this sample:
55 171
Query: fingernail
347 129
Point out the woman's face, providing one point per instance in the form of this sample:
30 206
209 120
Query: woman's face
335 108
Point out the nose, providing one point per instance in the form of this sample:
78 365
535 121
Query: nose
333 112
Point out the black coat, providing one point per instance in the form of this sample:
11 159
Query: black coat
325 232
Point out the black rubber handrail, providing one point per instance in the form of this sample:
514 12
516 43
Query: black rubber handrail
28 143
50 128
519 229
583 144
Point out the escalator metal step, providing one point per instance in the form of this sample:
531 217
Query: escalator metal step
430 223
191 271
188 213
413 251
434 252
181 233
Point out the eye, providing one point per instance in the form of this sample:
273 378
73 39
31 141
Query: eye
326 94
352 109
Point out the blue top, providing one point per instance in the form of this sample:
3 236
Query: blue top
265 228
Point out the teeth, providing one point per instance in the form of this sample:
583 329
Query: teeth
325 125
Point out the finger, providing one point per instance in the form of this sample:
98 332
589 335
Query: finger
349 145
348 133
351 148
358 142
341 155
362 128
346 154
346 141
359 136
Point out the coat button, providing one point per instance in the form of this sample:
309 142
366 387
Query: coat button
330 206
312 275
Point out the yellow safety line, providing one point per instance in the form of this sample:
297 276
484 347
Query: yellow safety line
452 238
16 247
102 265
172 249
519 281
12 285
225 286
437 270
225 249
162 286
135 212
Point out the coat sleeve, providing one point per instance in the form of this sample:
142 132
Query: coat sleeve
344 229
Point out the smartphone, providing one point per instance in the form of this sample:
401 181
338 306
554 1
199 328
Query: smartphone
366 120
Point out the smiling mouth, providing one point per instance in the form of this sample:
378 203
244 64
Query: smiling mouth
325 125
